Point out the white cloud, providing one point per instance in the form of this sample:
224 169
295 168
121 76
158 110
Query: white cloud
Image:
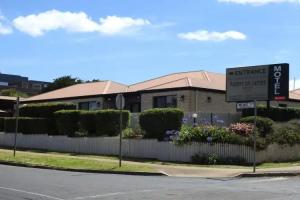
259 2
4 30
37 25
203 35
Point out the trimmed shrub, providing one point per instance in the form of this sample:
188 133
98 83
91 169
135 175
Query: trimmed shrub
67 122
26 125
87 122
263 124
108 122
45 110
275 113
2 123
155 122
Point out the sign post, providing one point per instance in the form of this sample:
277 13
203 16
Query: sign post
247 85
120 104
17 124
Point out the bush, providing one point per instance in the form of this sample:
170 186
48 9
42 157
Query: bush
26 125
212 159
67 122
155 122
87 122
275 113
263 124
190 134
2 123
45 110
108 122
130 133
285 135
242 129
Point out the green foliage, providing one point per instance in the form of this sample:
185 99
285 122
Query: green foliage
13 93
26 125
2 123
213 159
61 82
130 133
155 122
108 122
44 110
87 122
67 122
275 113
263 124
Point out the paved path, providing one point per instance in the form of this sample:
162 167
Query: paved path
17 183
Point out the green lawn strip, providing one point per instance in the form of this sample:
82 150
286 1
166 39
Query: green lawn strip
70 162
279 165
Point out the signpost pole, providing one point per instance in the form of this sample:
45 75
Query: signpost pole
121 122
17 124
254 136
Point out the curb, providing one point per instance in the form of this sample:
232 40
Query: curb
269 174
83 170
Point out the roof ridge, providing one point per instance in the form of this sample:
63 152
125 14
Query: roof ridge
167 83
106 87
165 76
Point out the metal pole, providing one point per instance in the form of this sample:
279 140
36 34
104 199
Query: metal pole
120 143
254 137
17 124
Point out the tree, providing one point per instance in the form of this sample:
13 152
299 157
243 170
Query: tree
62 82
12 93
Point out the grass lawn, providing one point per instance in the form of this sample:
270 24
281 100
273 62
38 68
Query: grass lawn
67 161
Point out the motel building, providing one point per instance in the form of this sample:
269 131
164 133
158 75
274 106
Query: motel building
194 91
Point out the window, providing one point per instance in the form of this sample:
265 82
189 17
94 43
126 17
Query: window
89 105
165 101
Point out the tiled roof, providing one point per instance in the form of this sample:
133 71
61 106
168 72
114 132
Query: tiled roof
199 79
81 90
295 94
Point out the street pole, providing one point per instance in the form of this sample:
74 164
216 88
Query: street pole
254 137
120 142
17 124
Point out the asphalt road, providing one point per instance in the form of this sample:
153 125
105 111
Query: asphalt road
17 183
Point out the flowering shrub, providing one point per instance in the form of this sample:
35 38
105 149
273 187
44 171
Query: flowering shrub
242 129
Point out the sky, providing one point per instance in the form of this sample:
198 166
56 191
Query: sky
133 40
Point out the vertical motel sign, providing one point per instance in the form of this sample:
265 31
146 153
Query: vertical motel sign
261 83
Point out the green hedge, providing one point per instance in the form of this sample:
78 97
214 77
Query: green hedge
263 124
275 113
155 122
87 122
46 110
67 122
2 123
26 125
108 122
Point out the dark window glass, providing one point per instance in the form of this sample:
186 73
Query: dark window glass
83 106
165 101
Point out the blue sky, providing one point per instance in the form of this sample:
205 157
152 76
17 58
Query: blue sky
133 40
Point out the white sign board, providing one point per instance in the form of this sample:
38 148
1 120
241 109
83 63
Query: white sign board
120 101
245 105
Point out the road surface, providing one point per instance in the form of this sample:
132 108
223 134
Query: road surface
18 183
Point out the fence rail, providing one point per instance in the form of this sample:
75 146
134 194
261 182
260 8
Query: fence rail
135 148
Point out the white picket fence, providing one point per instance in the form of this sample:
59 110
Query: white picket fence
134 148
